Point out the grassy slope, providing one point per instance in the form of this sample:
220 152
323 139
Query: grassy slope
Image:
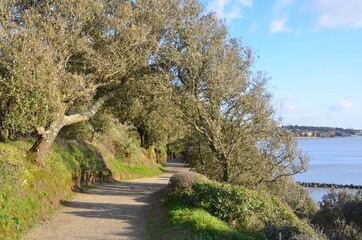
202 224
28 193
211 206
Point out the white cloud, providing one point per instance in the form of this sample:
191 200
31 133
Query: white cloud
338 13
280 16
343 105
279 25
229 9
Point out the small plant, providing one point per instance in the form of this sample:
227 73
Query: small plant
180 185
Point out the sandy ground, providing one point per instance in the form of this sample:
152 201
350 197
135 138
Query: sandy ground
117 210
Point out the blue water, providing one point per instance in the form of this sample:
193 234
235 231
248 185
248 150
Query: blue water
333 160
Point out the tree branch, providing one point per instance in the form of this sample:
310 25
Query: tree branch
80 117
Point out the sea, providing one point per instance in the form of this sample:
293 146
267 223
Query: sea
332 160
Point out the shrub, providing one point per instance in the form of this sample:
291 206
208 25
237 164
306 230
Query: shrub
180 184
245 209
271 231
317 235
294 195
340 214
345 231
161 155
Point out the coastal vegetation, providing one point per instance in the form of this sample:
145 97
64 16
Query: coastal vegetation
339 214
248 214
93 90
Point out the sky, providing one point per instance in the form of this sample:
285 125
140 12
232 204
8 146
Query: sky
310 49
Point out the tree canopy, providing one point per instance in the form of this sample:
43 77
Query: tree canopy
165 66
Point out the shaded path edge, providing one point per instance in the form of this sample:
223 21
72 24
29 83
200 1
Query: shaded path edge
119 210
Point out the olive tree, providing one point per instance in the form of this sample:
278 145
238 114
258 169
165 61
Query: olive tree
58 55
233 128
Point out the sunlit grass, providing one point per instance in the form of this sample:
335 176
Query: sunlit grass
204 226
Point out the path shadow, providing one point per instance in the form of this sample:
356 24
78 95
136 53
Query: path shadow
146 195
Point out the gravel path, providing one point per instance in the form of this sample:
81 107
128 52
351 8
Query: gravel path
117 210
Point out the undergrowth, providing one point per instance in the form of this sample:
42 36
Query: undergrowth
214 209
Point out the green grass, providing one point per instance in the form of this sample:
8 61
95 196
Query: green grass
202 224
128 172
152 230
122 170
28 191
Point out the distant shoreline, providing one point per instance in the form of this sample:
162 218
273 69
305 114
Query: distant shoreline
322 132
310 137
329 185
329 137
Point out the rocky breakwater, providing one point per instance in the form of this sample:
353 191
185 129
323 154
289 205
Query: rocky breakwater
329 185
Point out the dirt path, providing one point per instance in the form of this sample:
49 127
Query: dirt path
117 210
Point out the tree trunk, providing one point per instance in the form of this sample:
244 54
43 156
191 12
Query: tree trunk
41 147
225 176
39 150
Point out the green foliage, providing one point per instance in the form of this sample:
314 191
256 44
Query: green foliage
204 226
82 130
255 213
147 105
177 146
295 196
161 155
62 53
142 167
28 191
246 209
340 215
123 141
180 184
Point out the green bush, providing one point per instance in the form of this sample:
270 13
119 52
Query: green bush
345 231
340 215
161 155
180 184
292 194
245 209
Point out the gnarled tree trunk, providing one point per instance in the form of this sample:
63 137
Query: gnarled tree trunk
41 147
39 150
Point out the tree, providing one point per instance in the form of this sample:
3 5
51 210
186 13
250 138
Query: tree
59 55
227 105
148 104
62 61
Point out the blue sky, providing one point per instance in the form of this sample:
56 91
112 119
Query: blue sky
311 50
